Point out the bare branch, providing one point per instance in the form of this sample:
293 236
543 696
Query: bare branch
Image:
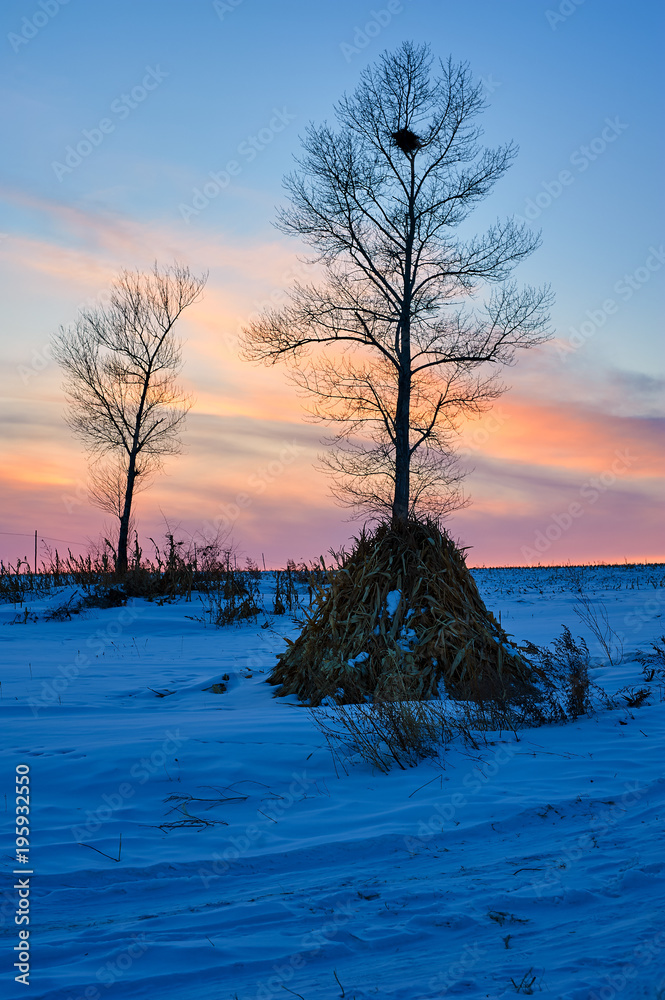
121 365
411 313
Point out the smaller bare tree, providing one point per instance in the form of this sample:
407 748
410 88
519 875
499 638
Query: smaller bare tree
121 364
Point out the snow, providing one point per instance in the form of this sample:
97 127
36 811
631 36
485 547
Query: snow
392 601
536 860
407 635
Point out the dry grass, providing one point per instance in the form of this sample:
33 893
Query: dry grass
356 644
401 732
177 569
594 615
387 733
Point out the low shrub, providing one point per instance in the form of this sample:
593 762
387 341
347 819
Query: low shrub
633 697
386 733
565 680
236 600
63 612
653 663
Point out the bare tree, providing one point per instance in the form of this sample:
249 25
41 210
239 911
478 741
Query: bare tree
418 317
121 364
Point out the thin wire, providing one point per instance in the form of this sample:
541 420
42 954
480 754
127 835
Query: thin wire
67 541
49 538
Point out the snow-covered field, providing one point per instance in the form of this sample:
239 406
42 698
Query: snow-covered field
186 843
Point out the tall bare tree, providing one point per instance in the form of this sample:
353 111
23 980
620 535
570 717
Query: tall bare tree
121 364
415 317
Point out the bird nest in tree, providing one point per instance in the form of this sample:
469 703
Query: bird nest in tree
406 140
401 617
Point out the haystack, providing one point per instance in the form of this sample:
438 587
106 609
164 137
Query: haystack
401 617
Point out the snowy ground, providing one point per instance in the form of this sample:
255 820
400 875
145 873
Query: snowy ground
534 866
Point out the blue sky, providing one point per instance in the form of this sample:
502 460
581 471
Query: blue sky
169 92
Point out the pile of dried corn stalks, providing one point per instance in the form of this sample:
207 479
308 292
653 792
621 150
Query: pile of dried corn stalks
401 615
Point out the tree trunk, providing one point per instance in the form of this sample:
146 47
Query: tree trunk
402 447
121 563
402 496
123 536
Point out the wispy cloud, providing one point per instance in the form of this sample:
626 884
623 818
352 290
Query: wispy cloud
531 454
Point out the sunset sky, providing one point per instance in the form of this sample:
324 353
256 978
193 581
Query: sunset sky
162 94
